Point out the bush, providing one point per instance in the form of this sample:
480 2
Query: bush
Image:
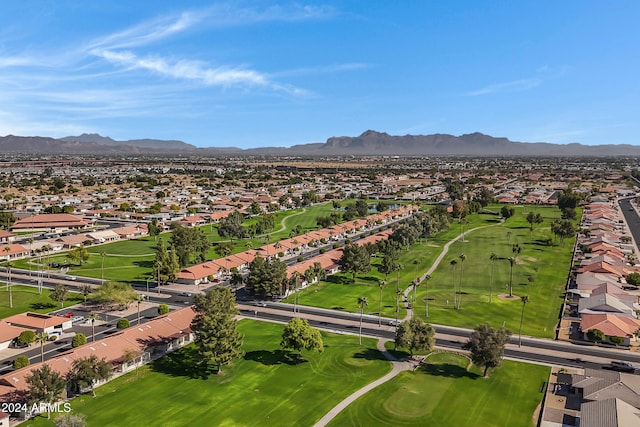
52 337
27 337
123 323
21 362
616 340
78 340
163 309
300 258
322 250
595 335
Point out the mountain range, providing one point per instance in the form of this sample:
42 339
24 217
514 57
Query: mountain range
369 143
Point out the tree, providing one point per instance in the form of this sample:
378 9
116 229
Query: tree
41 338
512 261
486 345
533 218
415 334
563 228
59 293
426 298
362 304
114 294
266 277
188 244
294 283
78 340
217 338
298 336
45 385
86 372
21 362
79 254
231 226
224 249
154 228
355 259
568 199
381 285
129 356
453 264
507 211
27 337
85 290
633 279
595 335
92 317
492 257
123 323
525 299
103 255
163 309
462 258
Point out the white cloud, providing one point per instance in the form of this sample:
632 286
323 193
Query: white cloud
513 86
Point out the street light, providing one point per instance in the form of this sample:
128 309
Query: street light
138 312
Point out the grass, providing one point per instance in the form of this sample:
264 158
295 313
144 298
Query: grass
26 298
540 272
266 387
445 393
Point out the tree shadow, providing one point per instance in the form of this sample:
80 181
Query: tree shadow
42 305
447 370
369 354
275 357
143 264
183 363
370 279
340 280
337 308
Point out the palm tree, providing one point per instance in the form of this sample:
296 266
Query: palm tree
294 283
426 286
9 284
492 257
7 249
397 267
453 264
512 261
462 258
93 316
42 338
362 303
102 254
381 285
416 284
30 240
85 290
525 299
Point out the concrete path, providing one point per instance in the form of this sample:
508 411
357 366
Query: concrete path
397 367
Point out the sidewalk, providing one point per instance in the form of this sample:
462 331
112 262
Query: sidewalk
397 366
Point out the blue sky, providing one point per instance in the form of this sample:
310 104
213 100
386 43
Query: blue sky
261 73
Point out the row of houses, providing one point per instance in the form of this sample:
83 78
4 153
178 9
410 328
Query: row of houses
600 295
218 268
149 341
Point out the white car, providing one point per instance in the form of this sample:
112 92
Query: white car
260 304
77 319
70 277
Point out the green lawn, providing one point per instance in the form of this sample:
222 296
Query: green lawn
445 393
263 388
540 272
26 298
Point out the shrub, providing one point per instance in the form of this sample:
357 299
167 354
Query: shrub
322 250
78 340
595 335
21 362
616 340
300 258
123 323
163 309
27 337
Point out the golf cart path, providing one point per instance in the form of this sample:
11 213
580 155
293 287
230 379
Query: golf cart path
397 366
436 263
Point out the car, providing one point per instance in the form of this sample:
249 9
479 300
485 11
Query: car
394 322
77 319
68 314
70 277
260 304
185 294
622 366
